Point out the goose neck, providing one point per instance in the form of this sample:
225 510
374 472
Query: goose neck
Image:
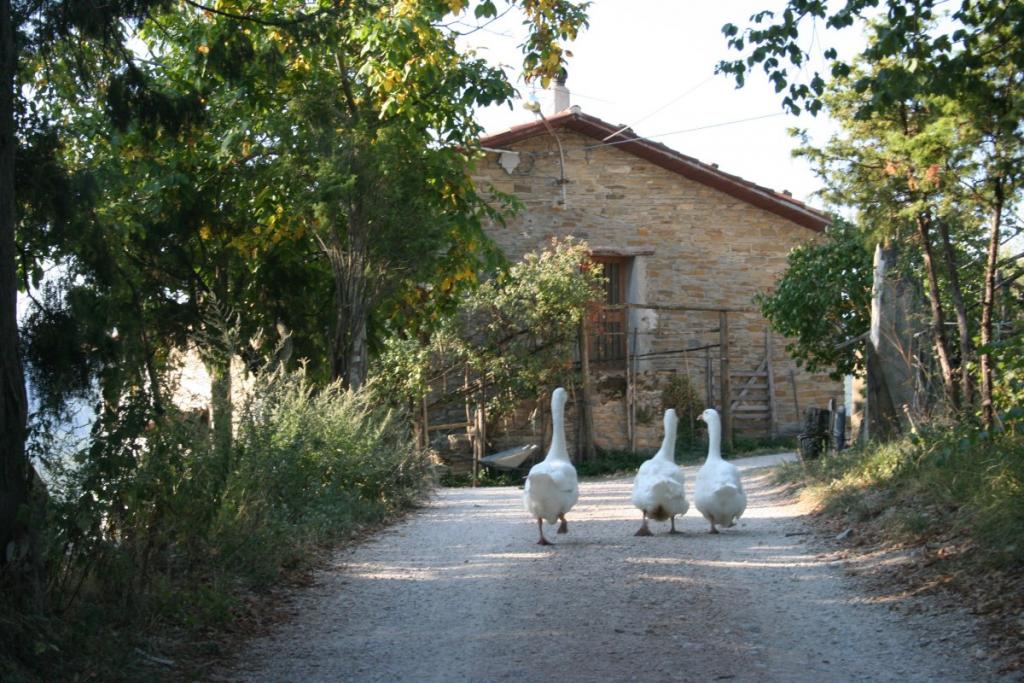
714 439
668 444
558 449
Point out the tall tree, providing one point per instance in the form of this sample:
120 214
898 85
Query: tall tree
890 167
31 29
953 79
366 115
14 481
992 108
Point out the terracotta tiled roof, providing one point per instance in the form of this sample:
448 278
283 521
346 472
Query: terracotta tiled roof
666 157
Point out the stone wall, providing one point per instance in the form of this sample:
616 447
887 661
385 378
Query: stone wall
688 245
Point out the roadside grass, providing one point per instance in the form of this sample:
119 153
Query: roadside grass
940 484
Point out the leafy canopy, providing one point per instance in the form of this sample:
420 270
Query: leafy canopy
823 301
943 44
208 166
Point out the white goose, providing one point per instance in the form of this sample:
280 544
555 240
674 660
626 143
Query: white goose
658 489
718 492
551 486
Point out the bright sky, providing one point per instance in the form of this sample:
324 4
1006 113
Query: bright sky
650 64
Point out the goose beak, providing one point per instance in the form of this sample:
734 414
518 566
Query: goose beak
700 417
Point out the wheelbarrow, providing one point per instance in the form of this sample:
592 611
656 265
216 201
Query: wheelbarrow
509 459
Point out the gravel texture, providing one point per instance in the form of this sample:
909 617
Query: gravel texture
460 591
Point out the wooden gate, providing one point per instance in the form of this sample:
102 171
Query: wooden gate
752 395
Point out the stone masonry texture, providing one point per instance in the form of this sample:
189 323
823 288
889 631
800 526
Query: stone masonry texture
686 244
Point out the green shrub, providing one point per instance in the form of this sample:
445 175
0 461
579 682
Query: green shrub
146 532
680 394
487 477
611 462
310 467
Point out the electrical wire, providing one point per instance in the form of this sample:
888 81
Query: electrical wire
677 132
664 106
657 354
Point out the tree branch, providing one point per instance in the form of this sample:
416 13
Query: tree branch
299 17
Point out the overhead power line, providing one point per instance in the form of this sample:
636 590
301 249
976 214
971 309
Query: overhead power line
664 106
684 130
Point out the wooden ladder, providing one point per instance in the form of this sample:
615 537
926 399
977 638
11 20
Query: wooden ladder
752 395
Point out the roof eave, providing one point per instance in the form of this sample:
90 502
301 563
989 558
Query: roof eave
669 159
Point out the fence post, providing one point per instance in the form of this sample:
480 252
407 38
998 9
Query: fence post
426 424
470 421
769 351
585 448
628 367
709 379
631 387
723 345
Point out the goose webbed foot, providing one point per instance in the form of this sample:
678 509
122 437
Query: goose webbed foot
673 530
644 530
540 530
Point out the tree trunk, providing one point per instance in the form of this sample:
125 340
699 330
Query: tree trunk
881 419
987 302
938 321
891 351
962 324
358 365
723 379
14 470
348 343
587 451
223 417
349 351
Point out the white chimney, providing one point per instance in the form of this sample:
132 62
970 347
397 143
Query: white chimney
561 93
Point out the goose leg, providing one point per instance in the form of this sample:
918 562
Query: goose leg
563 528
713 529
644 530
672 530
540 528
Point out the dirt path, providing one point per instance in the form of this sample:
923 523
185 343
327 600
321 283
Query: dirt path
460 592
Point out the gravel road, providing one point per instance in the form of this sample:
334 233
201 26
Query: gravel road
459 591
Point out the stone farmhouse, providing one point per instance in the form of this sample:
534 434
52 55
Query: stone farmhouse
685 247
